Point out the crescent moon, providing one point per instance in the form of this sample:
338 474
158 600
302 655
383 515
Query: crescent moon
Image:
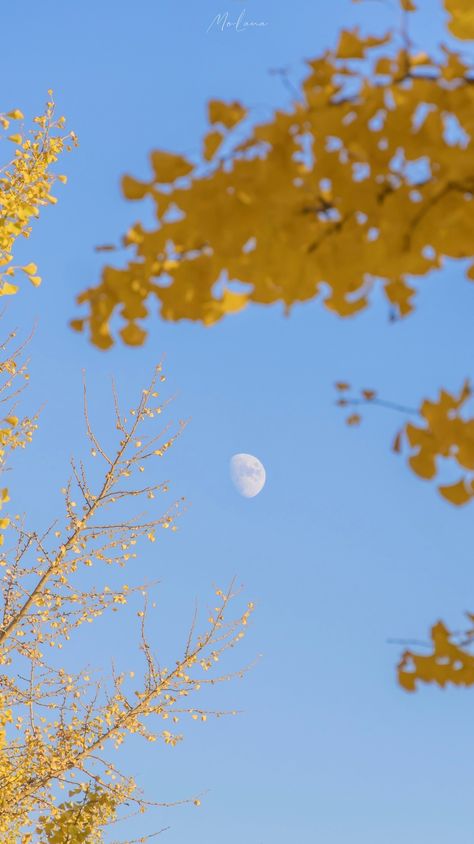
248 474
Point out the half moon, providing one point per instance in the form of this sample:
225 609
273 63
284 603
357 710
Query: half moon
247 474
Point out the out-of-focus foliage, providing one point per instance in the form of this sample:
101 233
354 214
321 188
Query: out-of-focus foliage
26 182
442 432
461 18
365 181
449 662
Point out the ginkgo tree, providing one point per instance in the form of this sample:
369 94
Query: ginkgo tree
26 182
59 726
372 160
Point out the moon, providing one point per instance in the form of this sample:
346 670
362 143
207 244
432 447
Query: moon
247 474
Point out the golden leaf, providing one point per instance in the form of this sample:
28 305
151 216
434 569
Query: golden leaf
168 167
133 189
461 21
212 142
228 114
423 464
456 494
132 334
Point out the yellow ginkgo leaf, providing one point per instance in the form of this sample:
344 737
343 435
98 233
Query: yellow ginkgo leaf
457 493
465 455
132 334
134 189
77 324
423 464
169 167
30 269
353 46
461 22
212 142
8 289
228 114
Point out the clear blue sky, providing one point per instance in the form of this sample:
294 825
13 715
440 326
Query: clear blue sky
344 548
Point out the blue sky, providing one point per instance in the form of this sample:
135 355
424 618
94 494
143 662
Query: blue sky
344 549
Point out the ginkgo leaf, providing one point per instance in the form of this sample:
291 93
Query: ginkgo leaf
8 289
461 21
407 680
212 142
384 66
132 334
449 662
77 324
228 114
423 464
465 455
168 167
456 493
133 189
353 46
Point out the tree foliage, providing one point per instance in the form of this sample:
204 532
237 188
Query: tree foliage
370 160
59 726
443 435
64 724
26 182
449 662
461 18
